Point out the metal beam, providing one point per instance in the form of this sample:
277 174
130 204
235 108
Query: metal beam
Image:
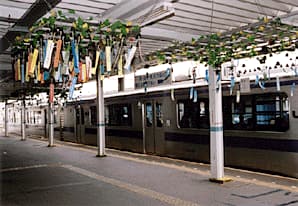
36 11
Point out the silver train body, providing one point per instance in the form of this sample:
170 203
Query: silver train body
260 128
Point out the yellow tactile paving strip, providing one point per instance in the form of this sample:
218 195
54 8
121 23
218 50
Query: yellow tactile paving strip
133 188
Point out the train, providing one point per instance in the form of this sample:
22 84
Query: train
260 126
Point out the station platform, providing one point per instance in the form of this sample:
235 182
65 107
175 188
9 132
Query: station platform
71 174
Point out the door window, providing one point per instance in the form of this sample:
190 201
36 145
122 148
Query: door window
159 115
149 115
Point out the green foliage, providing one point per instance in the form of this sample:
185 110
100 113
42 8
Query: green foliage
215 49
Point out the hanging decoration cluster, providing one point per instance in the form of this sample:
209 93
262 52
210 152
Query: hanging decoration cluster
263 37
55 52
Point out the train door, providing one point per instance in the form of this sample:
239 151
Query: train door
79 124
153 127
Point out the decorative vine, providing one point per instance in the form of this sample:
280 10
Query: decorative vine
79 37
215 49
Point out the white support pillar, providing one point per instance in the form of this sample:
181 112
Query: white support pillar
6 119
216 127
100 118
23 121
51 125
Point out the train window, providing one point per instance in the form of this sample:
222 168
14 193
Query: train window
159 115
193 114
242 115
272 113
93 117
149 115
119 115
257 112
107 120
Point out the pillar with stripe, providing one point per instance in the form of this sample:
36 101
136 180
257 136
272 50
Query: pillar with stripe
216 127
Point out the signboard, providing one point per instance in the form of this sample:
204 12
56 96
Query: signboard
244 85
153 79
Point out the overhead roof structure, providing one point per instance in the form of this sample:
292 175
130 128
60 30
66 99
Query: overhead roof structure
175 20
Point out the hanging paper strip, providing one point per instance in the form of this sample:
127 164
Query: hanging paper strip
46 75
60 76
120 66
191 93
296 71
293 89
72 86
126 58
102 69
45 42
80 73
108 59
145 87
30 55
194 75
48 56
65 66
23 72
277 83
93 72
238 96
172 94
84 73
207 75
70 66
58 73
88 67
195 96
33 62
262 85
75 54
232 84
26 73
42 77
218 82
268 74
257 80
19 69
57 53
130 57
38 72
168 73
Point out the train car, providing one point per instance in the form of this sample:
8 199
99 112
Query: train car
259 125
259 128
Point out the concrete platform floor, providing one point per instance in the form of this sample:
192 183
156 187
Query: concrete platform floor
69 174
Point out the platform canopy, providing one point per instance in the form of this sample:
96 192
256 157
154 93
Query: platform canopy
164 23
